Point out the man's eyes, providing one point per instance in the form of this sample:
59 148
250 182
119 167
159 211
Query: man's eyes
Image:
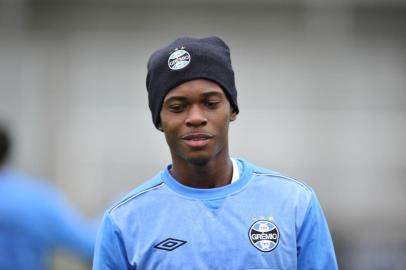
176 107
212 104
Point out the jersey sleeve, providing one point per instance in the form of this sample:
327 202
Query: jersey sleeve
110 253
314 245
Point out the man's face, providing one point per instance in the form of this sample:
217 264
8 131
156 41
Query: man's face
195 117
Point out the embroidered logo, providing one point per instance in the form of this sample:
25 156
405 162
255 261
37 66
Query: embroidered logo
264 235
170 244
179 59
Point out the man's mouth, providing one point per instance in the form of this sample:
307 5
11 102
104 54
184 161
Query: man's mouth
197 139
197 136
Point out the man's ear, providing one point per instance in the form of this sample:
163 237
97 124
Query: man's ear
233 115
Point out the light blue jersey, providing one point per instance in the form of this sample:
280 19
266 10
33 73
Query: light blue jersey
264 220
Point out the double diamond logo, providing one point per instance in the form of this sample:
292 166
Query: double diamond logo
170 244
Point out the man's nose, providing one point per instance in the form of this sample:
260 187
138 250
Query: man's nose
196 117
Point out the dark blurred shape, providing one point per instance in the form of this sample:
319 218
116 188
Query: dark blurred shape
4 145
35 220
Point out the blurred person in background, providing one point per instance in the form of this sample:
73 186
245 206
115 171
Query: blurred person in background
207 210
35 220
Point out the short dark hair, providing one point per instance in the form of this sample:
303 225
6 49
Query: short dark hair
5 144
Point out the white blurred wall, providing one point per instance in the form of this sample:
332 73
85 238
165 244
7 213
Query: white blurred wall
321 92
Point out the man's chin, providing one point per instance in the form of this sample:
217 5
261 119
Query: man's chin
199 161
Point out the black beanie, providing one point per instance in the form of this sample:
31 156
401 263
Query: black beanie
187 59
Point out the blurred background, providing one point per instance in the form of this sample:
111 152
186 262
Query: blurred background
321 93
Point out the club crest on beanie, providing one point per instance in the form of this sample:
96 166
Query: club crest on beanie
187 59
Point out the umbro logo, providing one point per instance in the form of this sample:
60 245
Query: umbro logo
170 244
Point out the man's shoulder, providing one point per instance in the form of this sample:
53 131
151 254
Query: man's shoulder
271 177
278 185
145 188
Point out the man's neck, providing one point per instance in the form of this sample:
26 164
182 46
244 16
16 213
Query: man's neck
215 173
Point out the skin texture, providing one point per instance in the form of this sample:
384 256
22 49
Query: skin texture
195 117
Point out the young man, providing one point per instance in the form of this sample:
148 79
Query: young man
207 210
36 221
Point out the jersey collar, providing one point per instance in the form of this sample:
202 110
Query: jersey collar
209 193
